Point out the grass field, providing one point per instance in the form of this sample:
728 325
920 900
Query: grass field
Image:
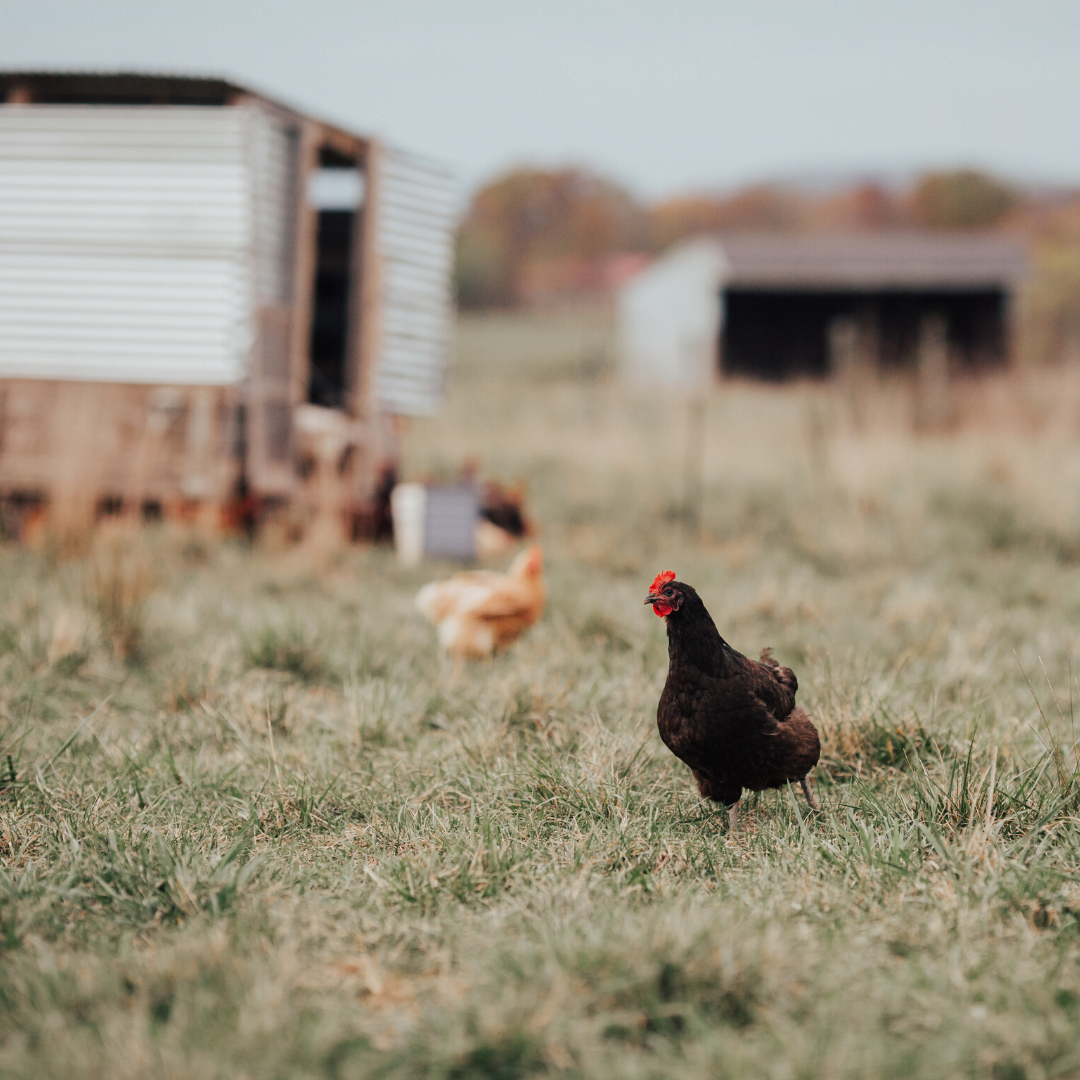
252 826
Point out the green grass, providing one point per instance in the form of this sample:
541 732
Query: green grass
251 825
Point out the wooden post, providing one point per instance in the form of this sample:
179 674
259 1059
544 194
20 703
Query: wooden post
844 364
933 402
853 357
367 331
693 464
305 234
323 436
75 450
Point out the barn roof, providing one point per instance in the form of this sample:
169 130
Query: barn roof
904 260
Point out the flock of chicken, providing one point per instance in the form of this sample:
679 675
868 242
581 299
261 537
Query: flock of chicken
732 720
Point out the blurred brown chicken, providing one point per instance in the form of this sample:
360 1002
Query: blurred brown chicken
479 611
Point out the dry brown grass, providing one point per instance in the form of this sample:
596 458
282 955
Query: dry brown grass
287 841
120 577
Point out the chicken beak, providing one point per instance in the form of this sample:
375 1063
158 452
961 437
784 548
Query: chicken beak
653 598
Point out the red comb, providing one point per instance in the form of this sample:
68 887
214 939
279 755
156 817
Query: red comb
661 580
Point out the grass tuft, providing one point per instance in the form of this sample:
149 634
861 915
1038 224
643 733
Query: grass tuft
289 651
118 582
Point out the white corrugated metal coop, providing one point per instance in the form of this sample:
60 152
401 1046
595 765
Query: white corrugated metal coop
208 301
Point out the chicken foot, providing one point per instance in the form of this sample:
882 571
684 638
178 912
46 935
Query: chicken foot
804 783
810 797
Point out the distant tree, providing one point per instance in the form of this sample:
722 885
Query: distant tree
529 215
865 206
964 199
483 276
532 230
761 207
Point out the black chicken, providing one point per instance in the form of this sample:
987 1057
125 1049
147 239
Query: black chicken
734 721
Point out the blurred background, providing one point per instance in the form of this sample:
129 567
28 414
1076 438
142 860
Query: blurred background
306 305
263 262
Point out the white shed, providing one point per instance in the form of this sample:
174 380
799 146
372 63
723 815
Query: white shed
669 316
208 300
765 305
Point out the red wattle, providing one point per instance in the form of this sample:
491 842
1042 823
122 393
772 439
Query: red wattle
662 609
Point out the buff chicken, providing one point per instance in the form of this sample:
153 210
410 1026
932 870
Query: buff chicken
480 611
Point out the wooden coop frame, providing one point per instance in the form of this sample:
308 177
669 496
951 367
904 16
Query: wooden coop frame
185 330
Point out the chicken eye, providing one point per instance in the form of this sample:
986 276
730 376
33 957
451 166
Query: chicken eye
669 591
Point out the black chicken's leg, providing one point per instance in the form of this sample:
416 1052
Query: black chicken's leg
810 798
733 817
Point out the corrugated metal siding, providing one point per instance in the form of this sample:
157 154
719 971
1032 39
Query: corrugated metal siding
125 244
274 148
415 244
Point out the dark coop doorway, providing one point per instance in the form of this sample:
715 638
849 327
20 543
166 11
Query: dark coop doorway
336 192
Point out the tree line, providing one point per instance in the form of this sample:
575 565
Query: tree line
535 229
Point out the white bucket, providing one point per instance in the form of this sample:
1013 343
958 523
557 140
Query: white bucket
408 507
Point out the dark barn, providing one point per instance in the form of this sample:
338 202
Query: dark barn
778 307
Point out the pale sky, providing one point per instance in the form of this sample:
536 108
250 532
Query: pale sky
663 97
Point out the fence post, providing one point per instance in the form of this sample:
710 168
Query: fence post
933 399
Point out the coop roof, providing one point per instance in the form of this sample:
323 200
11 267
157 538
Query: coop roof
131 88
907 260
117 88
